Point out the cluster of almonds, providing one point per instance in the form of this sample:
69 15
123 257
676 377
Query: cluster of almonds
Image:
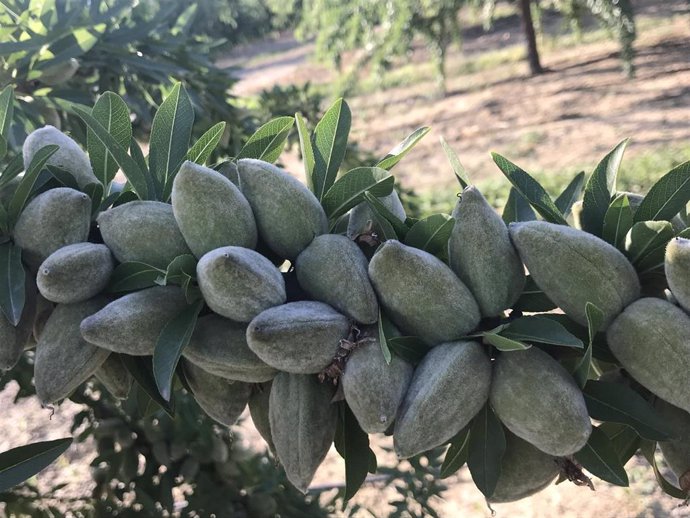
291 318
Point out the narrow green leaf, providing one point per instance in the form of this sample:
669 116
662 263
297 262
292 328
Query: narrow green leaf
431 234
570 194
504 344
486 449
64 177
533 299
132 276
140 367
173 339
645 244
268 141
624 439
517 208
391 223
179 268
138 156
396 154
531 190
648 450
306 150
457 453
22 463
349 190
25 187
458 169
95 192
599 457
3 147
619 403
4 221
410 348
12 283
6 110
541 330
356 453
617 221
667 197
600 187
329 143
202 148
112 113
595 319
383 338
13 169
140 180
171 131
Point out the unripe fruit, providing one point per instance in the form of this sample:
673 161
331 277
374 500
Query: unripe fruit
481 254
53 219
132 324
374 389
239 283
210 210
333 269
75 273
525 470
676 450
69 157
219 346
303 421
361 215
298 337
287 214
64 360
538 400
258 408
573 267
14 339
144 231
677 267
650 339
421 294
115 377
44 308
449 387
222 399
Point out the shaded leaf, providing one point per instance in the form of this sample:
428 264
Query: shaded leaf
131 276
140 367
595 320
410 348
648 449
533 299
517 208
12 283
22 463
349 190
396 154
457 453
173 339
625 440
617 221
25 187
487 446
600 458
356 452
600 187
306 150
6 110
383 338
458 169
667 197
570 194
504 344
329 143
619 403
431 234
12 170
530 189
542 330
268 141
202 148
112 113
645 244
397 228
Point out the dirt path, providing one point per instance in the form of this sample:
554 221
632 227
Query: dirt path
566 119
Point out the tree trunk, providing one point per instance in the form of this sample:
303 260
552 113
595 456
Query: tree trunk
528 27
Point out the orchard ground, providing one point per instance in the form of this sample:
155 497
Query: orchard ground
554 125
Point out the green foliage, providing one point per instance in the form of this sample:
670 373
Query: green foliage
135 49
